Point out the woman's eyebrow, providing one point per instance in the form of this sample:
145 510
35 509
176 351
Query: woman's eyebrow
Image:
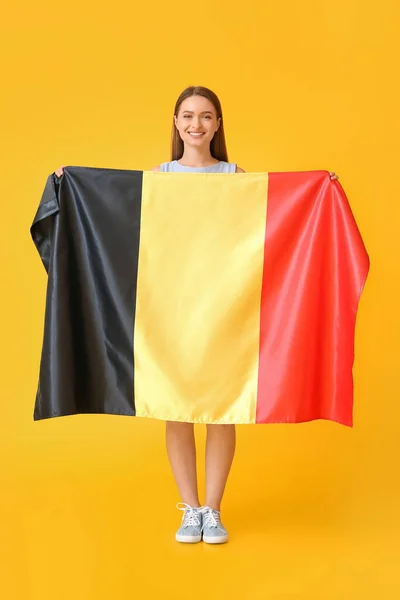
202 113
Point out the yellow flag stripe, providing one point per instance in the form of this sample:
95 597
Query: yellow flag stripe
199 282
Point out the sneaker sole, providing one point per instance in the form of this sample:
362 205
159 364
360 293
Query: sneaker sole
188 539
215 540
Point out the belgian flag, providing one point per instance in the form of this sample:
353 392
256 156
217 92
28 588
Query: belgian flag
198 297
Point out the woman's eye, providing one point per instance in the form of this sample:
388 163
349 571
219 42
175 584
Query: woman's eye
186 116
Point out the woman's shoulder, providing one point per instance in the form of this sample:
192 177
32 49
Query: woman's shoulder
164 166
232 167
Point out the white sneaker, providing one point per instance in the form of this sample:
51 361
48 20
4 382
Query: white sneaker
190 530
213 530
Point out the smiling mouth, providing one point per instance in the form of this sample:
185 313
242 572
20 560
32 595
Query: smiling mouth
195 135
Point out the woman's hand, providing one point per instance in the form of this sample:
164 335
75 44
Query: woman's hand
59 172
333 176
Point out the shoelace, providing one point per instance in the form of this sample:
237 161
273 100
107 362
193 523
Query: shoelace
211 517
191 516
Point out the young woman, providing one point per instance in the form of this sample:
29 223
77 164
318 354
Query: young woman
198 145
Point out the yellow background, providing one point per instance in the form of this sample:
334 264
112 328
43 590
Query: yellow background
87 503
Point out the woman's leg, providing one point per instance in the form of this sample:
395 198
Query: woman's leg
220 450
181 449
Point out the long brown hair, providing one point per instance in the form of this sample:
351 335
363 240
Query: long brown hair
218 146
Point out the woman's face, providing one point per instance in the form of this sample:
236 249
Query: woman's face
197 121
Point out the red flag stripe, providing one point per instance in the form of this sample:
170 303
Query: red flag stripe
315 266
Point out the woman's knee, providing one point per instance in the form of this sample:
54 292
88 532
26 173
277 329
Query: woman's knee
179 425
220 427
